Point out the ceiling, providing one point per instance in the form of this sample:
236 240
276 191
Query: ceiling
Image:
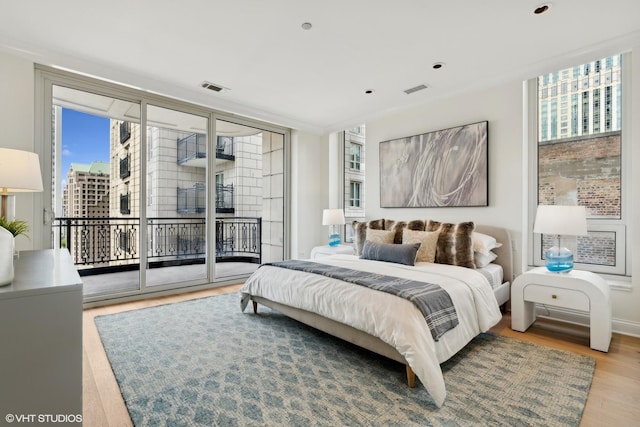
315 80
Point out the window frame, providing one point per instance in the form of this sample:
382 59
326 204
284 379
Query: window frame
620 227
352 197
355 159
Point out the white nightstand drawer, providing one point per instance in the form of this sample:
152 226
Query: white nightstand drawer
559 297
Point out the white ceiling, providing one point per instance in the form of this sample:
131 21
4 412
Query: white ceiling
315 79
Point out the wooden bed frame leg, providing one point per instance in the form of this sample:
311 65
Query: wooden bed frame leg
255 307
411 377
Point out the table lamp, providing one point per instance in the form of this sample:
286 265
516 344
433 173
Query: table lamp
19 172
561 221
333 218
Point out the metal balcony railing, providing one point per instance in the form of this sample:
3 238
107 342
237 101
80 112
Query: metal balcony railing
194 146
224 198
101 245
194 199
225 147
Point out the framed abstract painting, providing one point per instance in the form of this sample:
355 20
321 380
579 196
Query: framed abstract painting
444 168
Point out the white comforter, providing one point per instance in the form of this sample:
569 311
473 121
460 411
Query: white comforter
392 319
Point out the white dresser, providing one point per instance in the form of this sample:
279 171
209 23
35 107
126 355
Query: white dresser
41 340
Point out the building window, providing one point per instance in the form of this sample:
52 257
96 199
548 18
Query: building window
125 167
354 194
125 208
583 165
125 132
355 152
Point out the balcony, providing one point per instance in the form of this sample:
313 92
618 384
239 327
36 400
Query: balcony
107 242
194 199
192 149
109 247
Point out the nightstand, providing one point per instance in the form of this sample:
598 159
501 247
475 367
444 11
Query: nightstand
326 250
577 290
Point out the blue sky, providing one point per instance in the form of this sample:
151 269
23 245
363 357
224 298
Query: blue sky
85 139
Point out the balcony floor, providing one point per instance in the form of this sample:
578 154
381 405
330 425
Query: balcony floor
127 281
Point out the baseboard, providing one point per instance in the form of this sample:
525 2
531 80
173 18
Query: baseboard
618 326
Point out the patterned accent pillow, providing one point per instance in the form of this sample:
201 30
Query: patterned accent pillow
428 241
455 243
400 226
360 232
379 236
390 252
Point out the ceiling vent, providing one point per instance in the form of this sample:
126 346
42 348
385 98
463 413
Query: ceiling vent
415 89
211 86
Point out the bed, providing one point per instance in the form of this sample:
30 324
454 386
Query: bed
383 323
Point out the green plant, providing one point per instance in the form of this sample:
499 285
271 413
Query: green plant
16 227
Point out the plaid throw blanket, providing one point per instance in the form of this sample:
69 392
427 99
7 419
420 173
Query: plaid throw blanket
433 302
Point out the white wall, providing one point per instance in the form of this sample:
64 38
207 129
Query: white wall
309 191
16 122
502 106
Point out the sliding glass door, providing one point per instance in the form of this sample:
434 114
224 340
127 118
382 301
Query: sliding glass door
249 199
150 194
92 216
176 199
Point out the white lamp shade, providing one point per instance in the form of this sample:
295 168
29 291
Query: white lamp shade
332 217
562 220
19 171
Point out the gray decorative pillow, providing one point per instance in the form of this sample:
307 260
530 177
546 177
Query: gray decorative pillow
455 243
360 232
389 252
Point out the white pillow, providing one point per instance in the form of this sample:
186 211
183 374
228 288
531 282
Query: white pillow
483 243
428 242
483 260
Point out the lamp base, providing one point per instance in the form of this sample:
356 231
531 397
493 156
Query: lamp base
559 260
8 207
334 239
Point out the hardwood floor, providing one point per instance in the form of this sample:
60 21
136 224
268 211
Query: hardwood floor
613 398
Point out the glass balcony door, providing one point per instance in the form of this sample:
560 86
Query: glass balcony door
94 179
150 194
249 198
176 198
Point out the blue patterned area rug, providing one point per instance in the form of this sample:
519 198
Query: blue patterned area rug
204 363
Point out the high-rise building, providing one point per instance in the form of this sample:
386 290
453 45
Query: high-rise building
581 100
86 194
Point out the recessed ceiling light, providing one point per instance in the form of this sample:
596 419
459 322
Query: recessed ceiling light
368 91
306 26
542 8
438 65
